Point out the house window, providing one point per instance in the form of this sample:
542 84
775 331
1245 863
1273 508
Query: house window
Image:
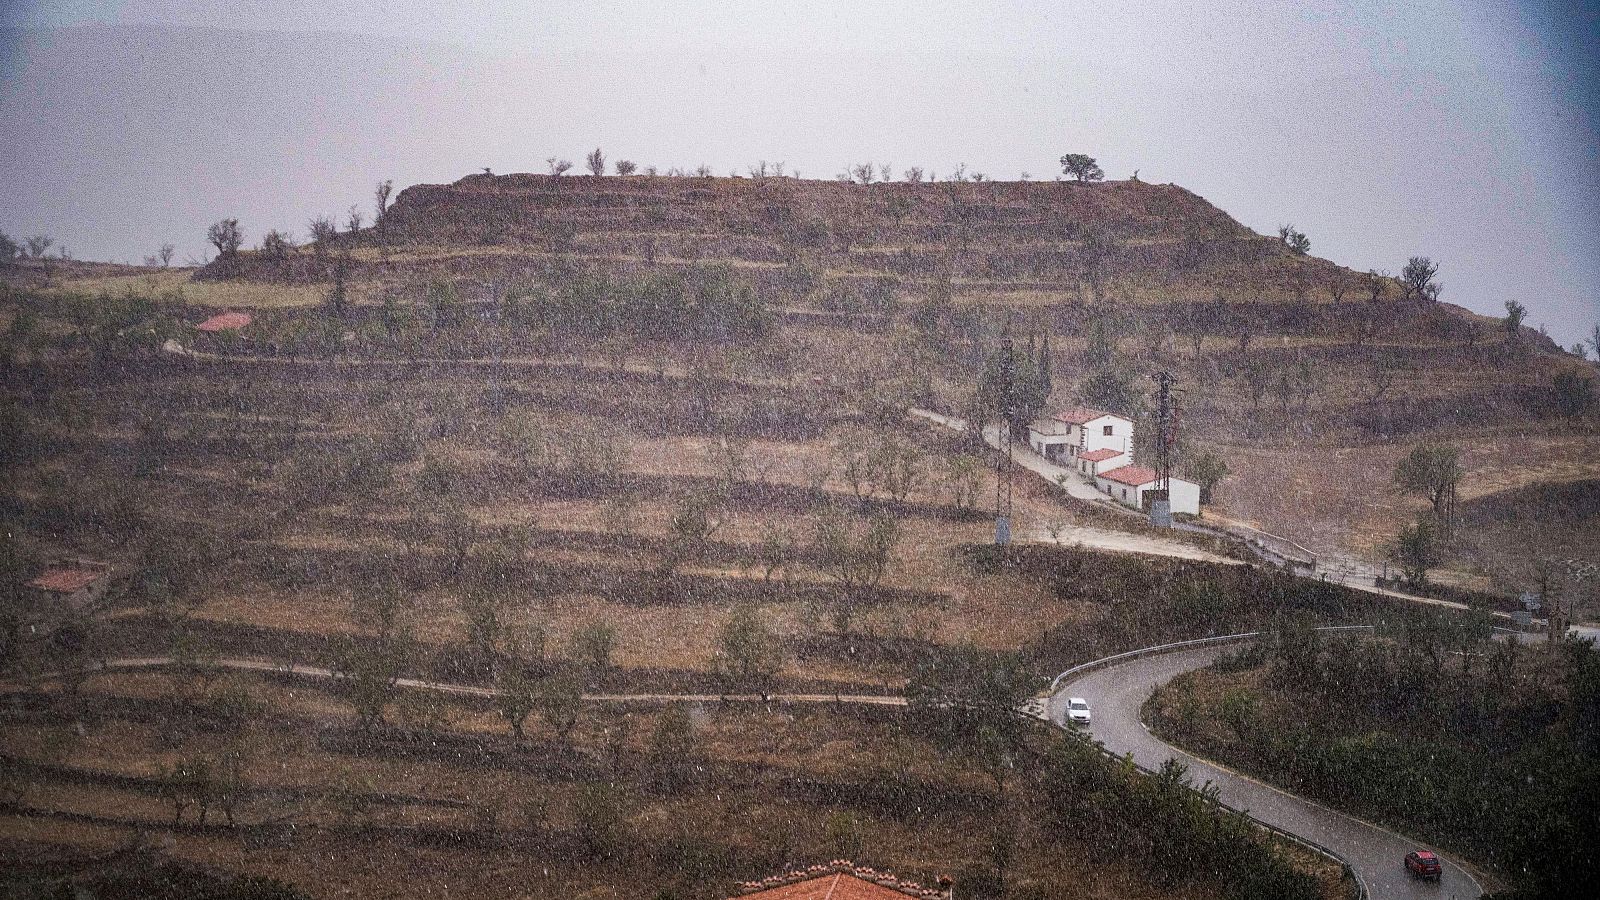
1107 430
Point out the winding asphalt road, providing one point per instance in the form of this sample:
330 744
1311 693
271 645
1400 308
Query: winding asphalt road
1116 693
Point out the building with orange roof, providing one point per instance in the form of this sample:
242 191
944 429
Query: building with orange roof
1131 486
840 880
67 586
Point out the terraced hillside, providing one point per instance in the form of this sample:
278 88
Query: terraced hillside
1309 379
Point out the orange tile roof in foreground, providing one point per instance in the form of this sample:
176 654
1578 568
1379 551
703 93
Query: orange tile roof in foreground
1101 455
840 880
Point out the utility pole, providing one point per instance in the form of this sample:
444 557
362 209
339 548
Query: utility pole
1166 428
1008 412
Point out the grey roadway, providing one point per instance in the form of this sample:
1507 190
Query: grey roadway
1116 693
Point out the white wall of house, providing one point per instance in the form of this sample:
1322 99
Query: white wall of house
1184 495
1093 469
1112 432
1045 435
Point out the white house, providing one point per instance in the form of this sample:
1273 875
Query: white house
1063 437
1128 485
1093 462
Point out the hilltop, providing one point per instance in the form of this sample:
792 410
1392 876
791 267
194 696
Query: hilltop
1309 378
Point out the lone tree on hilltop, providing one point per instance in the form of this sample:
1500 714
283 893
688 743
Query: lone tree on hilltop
1375 282
380 194
1081 167
626 167
226 236
1417 279
1515 313
1432 470
39 244
322 230
596 162
1294 239
277 244
558 167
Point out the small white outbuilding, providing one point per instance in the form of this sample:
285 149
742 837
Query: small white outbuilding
1130 486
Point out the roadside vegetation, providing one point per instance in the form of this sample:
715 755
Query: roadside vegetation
1490 749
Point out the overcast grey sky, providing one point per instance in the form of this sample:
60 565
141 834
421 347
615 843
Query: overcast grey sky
1465 131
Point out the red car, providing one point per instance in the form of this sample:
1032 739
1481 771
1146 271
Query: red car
1423 864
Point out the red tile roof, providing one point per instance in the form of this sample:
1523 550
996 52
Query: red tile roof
1101 455
65 581
1083 415
840 880
1133 476
837 886
225 322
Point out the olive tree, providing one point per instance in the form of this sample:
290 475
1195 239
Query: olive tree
380 196
748 653
1416 551
1432 470
1417 279
226 236
596 163
515 699
1294 239
322 230
857 555
1515 314
1081 167
40 244
1208 469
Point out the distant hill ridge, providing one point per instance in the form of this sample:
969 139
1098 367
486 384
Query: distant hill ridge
1053 236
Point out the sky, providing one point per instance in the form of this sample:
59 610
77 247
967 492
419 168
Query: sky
1463 131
